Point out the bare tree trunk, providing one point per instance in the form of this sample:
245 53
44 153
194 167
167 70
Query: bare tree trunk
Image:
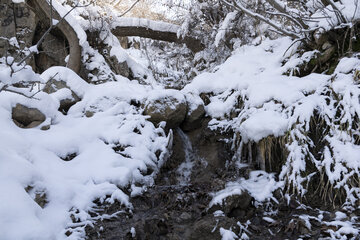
43 10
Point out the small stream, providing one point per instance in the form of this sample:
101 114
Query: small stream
185 169
169 209
176 207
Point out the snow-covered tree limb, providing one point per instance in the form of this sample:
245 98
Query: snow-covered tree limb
277 27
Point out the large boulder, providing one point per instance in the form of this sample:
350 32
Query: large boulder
169 106
195 114
26 117
65 103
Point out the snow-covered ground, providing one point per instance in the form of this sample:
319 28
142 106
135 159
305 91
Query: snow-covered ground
116 147
32 159
273 104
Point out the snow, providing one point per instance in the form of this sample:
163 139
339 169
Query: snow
260 186
26 73
133 232
269 219
348 9
346 65
260 97
251 93
171 97
259 79
71 21
225 27
72 80
145 23
219 213
32 157
255 128
34 49
227 234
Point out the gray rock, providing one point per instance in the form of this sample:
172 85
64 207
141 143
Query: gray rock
41 199
124 42
241 201
45 128
120 68
89 114
25 117
194 118
55 85
167 108
39 196
235 205
53 51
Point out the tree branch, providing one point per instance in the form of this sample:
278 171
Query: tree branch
257 16
130 8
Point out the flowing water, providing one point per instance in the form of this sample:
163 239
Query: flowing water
185 168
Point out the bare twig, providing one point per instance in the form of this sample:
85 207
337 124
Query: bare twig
288 17
130 8
285 12
338 13
6 89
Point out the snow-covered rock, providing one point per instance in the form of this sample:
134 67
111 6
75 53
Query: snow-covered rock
195 113
66 96
166 105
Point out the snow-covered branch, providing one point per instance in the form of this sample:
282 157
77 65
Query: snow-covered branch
277 27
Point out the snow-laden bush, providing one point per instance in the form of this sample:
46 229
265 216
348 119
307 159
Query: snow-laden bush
306 129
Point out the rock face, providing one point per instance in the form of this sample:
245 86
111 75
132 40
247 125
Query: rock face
25 117
16 20
194 119
195 114
210 146
55 85
170 107
53 50
120 68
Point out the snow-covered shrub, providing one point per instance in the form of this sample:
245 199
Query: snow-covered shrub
305 129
